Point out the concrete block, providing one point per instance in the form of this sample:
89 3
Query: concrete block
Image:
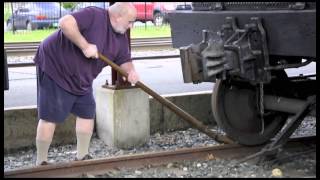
197 105
156 116
122 117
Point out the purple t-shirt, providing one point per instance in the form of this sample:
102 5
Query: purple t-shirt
66 64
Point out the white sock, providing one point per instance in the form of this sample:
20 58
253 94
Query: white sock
83 142
42 150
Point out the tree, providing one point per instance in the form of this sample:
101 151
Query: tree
69 5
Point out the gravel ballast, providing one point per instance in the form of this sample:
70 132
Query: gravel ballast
303 165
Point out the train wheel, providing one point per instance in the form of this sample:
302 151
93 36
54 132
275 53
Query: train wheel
235 109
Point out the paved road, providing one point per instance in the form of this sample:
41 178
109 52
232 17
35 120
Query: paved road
163 76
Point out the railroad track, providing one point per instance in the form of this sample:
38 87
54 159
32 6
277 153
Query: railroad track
101 166
30 48
11 65
138 44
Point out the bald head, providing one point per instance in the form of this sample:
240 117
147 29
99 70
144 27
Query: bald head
122 16
123 9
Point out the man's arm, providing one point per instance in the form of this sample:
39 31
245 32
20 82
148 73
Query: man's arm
69 27
133 76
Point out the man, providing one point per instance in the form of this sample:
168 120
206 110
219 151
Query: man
67 64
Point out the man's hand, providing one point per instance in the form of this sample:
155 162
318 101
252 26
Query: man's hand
133 77
91 51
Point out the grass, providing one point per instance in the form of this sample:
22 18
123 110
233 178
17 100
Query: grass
39 35
151 31
27 36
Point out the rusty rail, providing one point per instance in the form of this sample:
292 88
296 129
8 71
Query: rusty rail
101 166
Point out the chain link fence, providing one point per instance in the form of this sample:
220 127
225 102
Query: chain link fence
27 17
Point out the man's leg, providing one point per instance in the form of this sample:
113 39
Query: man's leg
84 129
45 131
54 104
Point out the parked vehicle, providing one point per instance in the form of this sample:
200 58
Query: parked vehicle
157 12
184 7
36 15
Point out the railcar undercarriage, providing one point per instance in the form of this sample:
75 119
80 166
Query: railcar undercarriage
244 48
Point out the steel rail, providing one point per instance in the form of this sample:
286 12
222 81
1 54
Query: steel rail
9 44
12 65
21 48
102 165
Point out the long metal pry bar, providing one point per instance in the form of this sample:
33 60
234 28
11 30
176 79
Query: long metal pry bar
184 115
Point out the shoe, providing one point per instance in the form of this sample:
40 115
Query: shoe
86 157
44 163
